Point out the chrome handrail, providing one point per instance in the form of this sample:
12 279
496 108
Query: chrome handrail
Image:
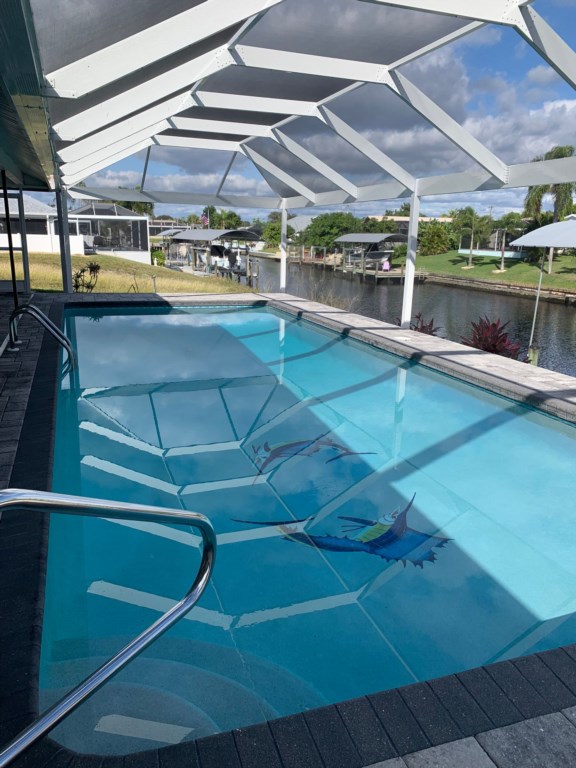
44 320
78 505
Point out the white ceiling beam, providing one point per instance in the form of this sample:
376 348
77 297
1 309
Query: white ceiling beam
253 103
131 144
388 190
521 175
318 165
139 97
285 178
305 63
176 198
496 11
88 149
549 45
366 147
226 172
220 126
438 43
73 178
150 45
191 143
441 120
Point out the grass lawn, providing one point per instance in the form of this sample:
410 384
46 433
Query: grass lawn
118 276
563 276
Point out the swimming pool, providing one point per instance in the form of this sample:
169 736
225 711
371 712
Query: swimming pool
378 523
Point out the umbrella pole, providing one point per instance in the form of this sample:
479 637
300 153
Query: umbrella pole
533 352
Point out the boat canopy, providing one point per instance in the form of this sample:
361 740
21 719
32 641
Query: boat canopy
372 237
208 235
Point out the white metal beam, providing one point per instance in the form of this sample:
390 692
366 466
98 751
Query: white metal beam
318 165
137 98
522 175
441 120
262 162
549 45
108 150
253 103
305 63
364 146
191 143
151 44
69 179
220 126
226 172
496 11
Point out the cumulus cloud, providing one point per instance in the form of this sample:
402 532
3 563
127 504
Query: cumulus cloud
542 75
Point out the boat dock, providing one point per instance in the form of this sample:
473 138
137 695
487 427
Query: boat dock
366 269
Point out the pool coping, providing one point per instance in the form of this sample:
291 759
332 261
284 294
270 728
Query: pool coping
368 731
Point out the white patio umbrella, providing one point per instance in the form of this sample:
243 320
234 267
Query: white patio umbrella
561 234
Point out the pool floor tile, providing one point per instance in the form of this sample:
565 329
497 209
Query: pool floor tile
465 753
548 741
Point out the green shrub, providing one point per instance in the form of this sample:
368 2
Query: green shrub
159 256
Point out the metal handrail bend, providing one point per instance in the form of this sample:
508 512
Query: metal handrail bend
44 320
77 505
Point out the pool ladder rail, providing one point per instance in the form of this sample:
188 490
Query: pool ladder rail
45 321
32 501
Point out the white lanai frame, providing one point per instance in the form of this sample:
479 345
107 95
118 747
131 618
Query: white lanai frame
149 102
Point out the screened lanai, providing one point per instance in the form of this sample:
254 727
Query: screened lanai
270 104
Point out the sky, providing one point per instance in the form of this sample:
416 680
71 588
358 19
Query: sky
491 81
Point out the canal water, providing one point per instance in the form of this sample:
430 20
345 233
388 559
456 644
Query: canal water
452 308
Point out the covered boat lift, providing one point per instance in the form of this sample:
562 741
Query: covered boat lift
209 248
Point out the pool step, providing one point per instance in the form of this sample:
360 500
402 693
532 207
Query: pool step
151 703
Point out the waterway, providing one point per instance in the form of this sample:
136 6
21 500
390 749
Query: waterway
452 308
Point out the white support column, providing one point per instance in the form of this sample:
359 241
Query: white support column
24 241
283 246
64 236
410 260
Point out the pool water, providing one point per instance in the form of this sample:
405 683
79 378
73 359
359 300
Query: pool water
378 523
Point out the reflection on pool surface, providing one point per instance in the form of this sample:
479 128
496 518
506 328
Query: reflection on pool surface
378 523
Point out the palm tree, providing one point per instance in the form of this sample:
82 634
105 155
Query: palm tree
562 193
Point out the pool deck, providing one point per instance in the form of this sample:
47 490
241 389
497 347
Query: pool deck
513 714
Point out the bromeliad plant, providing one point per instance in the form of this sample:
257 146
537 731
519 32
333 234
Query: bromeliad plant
491 336
419 324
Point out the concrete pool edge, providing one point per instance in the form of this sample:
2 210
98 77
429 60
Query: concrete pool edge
363 732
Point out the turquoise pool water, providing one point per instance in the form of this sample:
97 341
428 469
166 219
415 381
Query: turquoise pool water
378 523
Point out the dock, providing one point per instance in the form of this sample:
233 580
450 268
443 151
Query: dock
366 270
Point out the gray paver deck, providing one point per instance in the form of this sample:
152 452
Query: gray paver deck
464 704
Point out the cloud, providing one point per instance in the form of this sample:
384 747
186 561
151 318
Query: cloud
542 75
